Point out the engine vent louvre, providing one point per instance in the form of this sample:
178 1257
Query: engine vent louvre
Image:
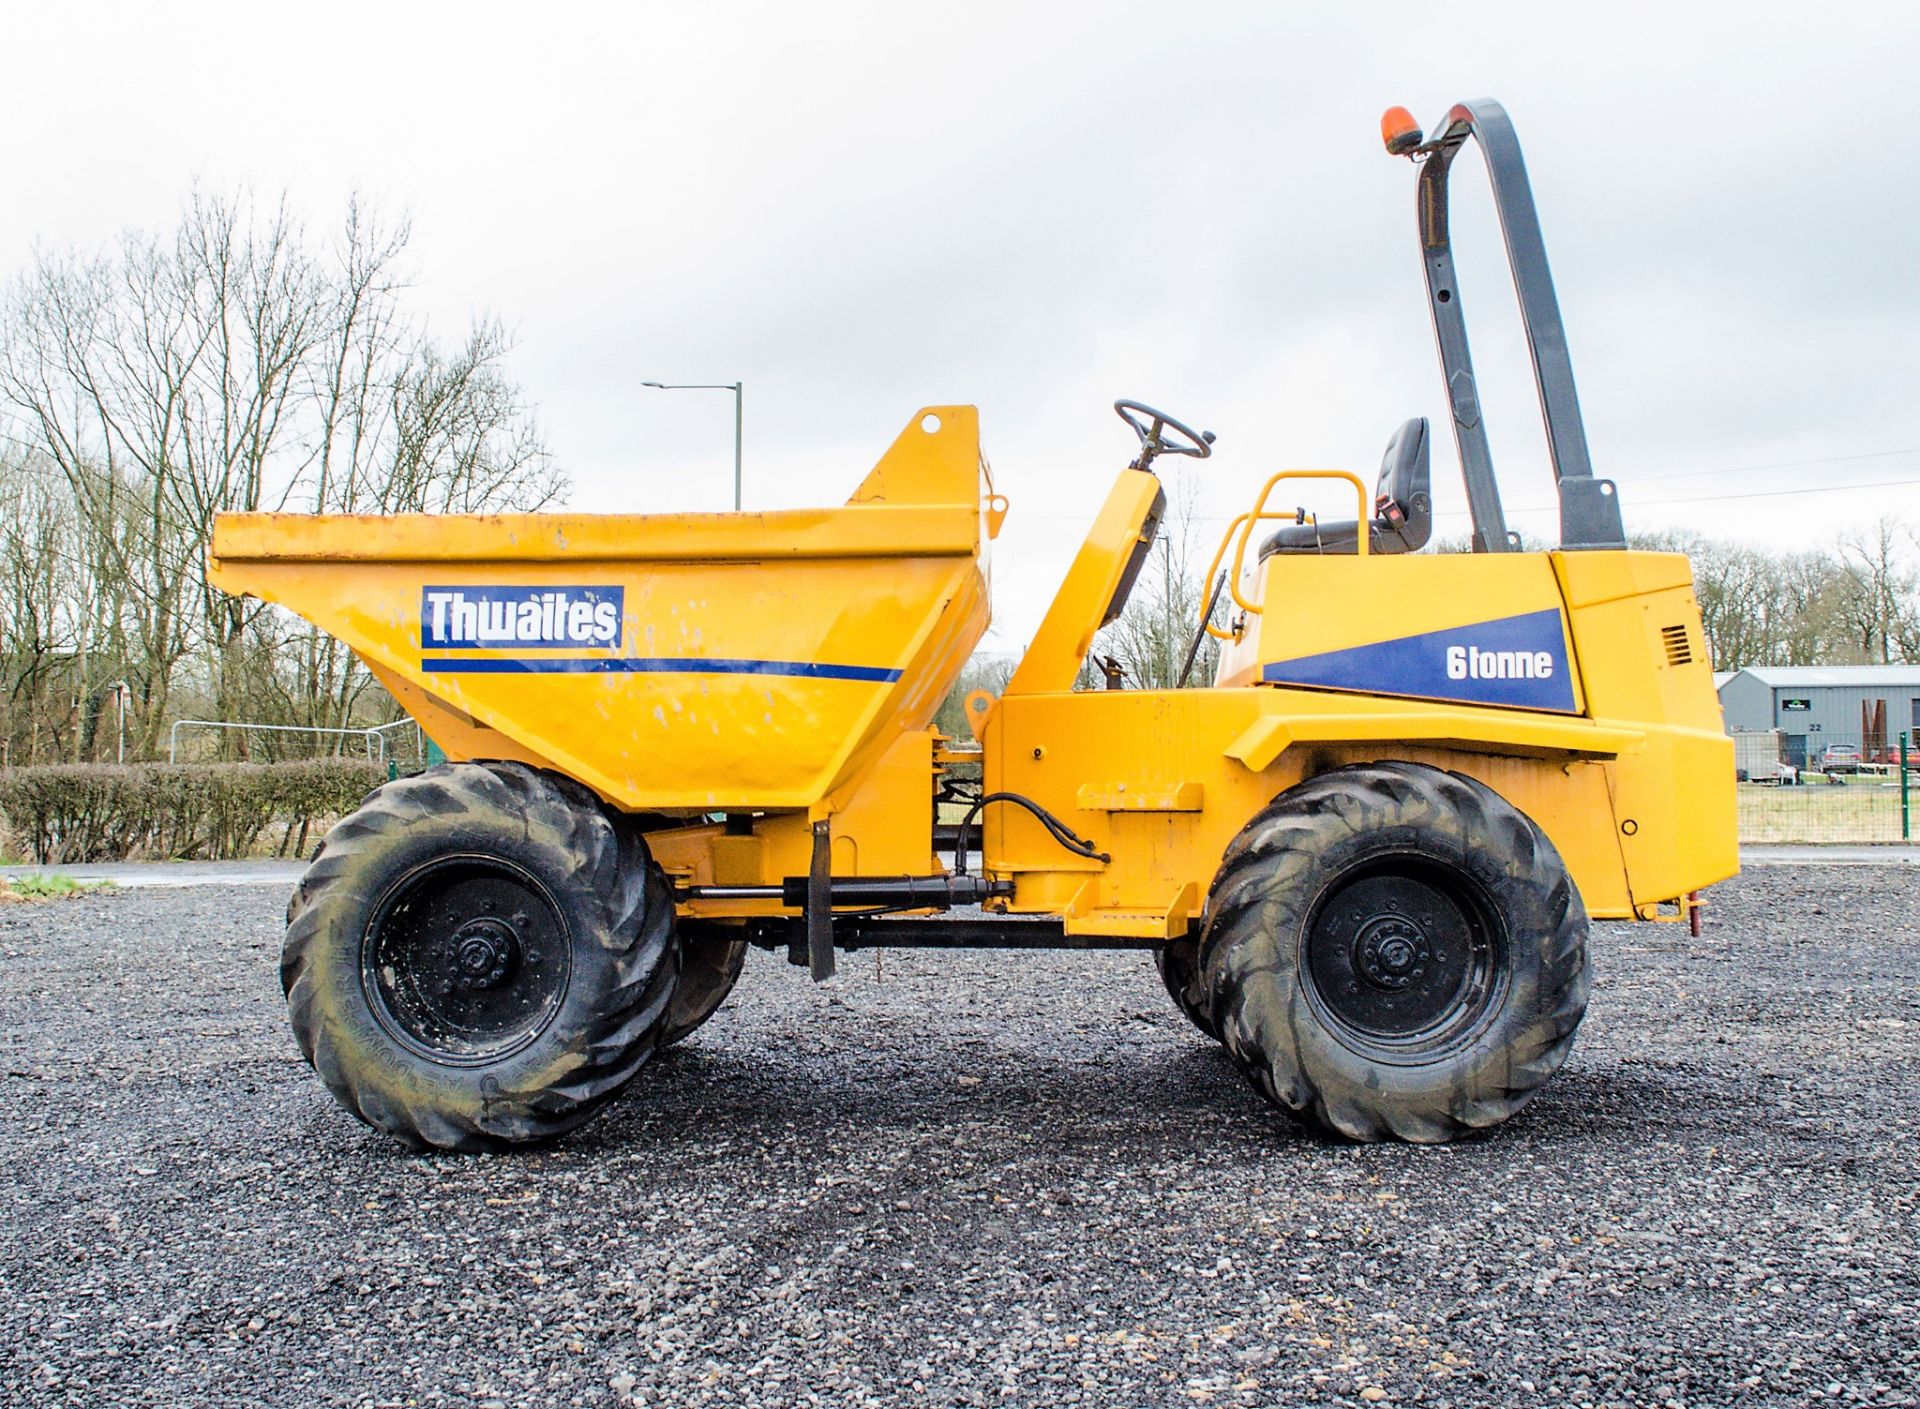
1679 649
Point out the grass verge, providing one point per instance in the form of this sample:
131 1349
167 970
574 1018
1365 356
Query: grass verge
48 886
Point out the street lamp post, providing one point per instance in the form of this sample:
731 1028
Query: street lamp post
739 399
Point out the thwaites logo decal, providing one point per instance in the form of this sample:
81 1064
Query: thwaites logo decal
460 618
1520 661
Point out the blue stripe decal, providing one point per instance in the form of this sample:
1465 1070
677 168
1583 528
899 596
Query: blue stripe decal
650 665
1520 661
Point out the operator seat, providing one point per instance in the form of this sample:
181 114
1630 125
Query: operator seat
1403 506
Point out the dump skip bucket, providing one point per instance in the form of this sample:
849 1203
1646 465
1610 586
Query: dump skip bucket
682 662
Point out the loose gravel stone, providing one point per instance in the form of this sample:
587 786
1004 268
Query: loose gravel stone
976 1179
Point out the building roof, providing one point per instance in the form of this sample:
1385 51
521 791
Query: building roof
1857 677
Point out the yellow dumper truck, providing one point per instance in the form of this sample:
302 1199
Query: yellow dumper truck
1364 855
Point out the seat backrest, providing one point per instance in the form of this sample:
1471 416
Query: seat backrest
1403 506
1403 510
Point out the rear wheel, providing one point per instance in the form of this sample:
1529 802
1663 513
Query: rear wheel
478 957
711 958
1179 965
1392 951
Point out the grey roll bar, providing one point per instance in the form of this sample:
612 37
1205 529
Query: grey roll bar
1589 507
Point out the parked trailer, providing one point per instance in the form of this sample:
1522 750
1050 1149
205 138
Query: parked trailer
1760 756
1364 856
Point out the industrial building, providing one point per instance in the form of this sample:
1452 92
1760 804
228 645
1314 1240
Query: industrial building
1812 705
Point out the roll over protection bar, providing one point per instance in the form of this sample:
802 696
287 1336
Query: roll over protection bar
1589 507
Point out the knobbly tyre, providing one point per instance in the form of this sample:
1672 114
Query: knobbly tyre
1364 855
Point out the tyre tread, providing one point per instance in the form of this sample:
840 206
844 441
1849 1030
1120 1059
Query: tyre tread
1275 854
637 922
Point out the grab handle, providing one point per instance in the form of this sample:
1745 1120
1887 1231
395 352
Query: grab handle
1361 546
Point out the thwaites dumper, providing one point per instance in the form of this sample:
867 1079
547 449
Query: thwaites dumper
1364 856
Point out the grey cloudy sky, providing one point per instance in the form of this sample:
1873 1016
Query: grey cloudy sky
1037 208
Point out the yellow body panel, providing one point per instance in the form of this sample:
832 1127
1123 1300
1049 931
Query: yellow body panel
1167 740
1633 616
1081 605
886 829
1332 602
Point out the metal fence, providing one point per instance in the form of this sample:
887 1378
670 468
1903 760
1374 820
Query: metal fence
1825 787
192 740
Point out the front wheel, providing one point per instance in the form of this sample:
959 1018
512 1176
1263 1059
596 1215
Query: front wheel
479 957
1392 951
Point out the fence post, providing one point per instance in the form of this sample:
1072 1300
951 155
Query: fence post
1906 791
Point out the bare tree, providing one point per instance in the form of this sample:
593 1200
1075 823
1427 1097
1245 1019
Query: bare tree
1882 596
38 630
235 364
95 360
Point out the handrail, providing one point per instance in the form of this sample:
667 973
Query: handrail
1218 553
1362 545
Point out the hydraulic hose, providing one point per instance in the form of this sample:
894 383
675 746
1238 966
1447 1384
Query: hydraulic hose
1056 829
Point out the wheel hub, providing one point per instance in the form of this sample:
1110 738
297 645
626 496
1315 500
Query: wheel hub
1402 958
1390 952
486 953
466 959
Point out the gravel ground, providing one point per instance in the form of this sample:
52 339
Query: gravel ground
976 1179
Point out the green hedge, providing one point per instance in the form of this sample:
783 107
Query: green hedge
71 813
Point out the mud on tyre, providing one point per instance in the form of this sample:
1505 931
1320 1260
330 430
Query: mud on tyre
479 957
1393 951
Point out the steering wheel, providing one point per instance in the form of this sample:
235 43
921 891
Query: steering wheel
1153 439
